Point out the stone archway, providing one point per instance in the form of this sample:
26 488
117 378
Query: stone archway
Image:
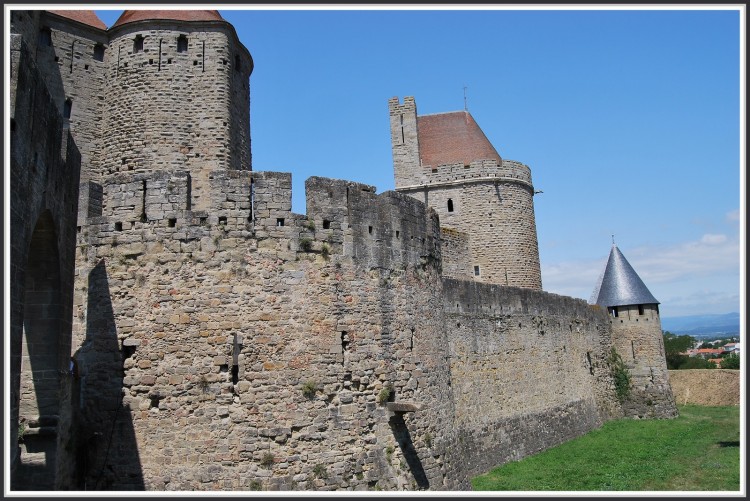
41 361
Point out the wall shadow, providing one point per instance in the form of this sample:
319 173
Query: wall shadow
108 457
403 438
40 368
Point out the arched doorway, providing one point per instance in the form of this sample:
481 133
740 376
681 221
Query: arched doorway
41 363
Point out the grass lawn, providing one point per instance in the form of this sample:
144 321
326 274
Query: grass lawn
698 451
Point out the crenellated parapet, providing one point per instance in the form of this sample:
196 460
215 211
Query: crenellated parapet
508 171
389 230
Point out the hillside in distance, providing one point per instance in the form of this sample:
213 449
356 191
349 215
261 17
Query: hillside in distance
727 324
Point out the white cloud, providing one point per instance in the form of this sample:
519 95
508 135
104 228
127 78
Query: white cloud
713 254
700 276
733 215
712 239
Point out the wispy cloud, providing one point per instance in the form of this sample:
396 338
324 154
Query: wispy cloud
713 253
700 274
733 215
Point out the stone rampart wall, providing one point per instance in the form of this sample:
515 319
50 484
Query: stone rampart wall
221 319
529 370
705 386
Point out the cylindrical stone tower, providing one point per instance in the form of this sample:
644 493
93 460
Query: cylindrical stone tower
446 161
177 97
637 338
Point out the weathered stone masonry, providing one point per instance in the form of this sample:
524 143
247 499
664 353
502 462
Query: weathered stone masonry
221 341
44 170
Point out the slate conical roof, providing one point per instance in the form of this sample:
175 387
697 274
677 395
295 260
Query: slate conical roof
620 285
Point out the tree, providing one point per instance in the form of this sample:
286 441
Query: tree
674 346
697 363
731 362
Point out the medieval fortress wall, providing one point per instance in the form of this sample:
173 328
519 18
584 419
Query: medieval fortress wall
224 323
529 369
223 342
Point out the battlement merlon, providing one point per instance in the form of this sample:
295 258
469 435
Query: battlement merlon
509 171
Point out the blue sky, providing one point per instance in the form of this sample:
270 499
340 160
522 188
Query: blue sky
629 119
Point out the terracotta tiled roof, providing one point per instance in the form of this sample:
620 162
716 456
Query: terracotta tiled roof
709 351
130 16
448 138
82 16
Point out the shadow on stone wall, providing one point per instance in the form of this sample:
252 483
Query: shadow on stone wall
403 438
108 456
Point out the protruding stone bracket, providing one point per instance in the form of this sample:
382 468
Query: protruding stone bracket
401 407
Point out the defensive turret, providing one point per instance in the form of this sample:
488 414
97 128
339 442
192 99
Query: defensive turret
636 337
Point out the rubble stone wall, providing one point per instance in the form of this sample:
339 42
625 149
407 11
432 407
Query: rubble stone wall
705 386
529 370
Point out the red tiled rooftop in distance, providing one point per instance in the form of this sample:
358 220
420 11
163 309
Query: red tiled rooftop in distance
449 138
82 16
130 16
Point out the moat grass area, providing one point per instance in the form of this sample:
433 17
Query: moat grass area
698 451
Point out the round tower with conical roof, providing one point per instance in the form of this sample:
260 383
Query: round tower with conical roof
636 337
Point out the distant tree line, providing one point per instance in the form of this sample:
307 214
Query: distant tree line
676 347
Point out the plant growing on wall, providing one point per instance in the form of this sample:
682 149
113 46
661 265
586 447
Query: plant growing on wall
620 375
309 389
305 244
267 460
389 452
320 471
384 394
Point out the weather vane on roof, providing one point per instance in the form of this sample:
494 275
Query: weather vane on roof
613 240
466 107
